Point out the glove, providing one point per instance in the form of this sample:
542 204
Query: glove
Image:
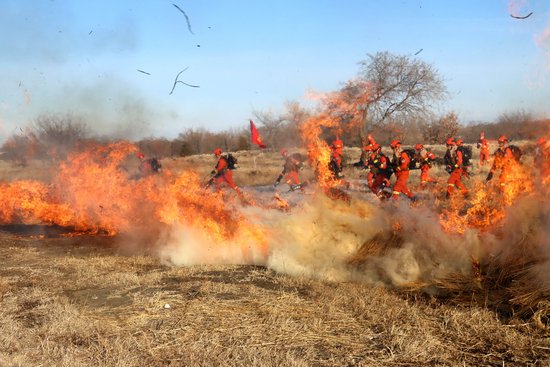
276 183
489 176
213 172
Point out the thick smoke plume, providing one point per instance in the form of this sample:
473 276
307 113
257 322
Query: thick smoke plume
323 239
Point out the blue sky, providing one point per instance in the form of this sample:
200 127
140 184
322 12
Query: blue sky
82 57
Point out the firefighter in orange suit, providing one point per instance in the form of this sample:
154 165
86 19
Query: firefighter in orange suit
503 162
401 161
337 150
425 158
483 145
453 162
380 167
222 173
149 166
293 164
368 153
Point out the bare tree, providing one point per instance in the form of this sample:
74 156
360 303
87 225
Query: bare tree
282 130
60 130
441 129
397 86
59 135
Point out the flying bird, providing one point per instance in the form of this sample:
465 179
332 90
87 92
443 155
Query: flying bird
176 81
519 17
186 18
144 72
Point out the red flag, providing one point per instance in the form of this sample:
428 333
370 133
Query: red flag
256 139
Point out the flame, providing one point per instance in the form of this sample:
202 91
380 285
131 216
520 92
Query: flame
342 110
280 203
93 194
485 208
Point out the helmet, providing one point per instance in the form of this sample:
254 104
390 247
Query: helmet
419 147
459 142
502 139
395 144
140 155
284 152
217 151
541 141
450 141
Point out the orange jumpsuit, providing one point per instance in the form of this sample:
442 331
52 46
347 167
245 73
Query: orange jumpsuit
293 164
369 163
484 151
379 167
503 161
455 161
336 161
224 174
425 165
402 174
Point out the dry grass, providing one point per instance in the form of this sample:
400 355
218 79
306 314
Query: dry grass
79 302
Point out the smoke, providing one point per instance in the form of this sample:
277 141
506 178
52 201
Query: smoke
60 63
111 107
327 239
319 238
390 244
183 245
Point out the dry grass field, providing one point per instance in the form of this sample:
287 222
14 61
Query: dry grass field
98 301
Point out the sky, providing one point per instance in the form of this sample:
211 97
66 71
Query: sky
83 58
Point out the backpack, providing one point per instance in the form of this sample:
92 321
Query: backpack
231 161
412 156
466 151
516 152
155 165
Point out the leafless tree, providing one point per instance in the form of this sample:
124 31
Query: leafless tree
58 135
397 86
441 129
518 125
60 130
282 130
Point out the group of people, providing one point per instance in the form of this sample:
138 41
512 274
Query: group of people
381 167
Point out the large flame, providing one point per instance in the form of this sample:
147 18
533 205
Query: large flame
340 111
94 194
